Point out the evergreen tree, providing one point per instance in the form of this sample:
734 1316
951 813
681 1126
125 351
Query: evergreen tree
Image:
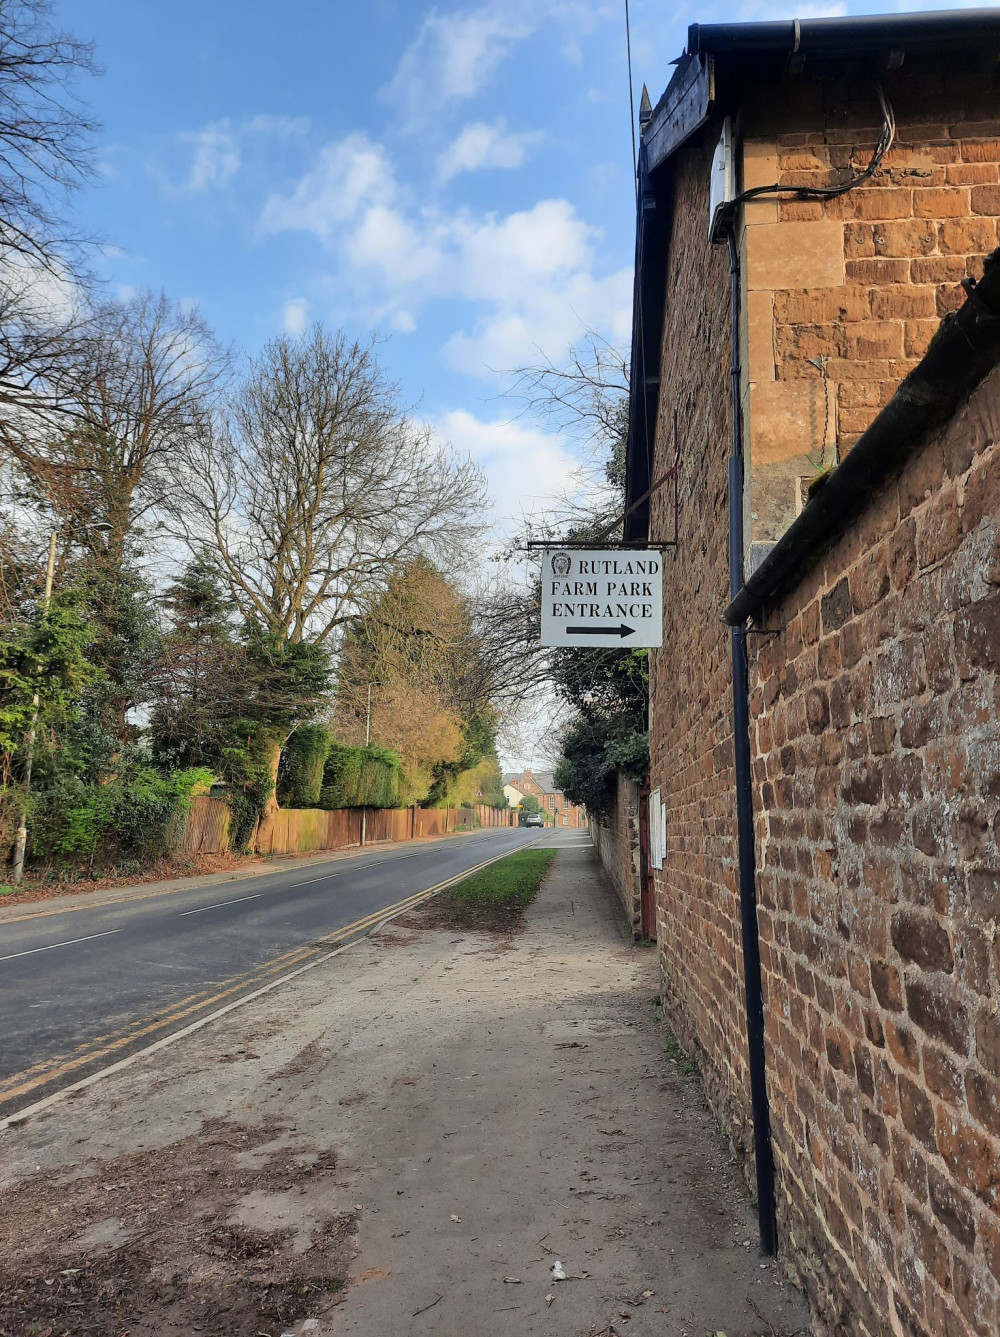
200 675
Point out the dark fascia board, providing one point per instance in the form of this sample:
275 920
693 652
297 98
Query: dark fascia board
964 351
857 35
684 108
651 234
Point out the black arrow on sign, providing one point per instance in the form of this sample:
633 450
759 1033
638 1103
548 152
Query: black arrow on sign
621 631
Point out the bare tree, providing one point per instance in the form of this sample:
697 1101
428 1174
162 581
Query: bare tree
99 441
586 400
317 487
45 132
45 150
586 397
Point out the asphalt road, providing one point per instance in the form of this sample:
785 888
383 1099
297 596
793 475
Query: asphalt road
83 988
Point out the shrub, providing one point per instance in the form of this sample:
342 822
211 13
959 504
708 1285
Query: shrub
360 777
303 761
130 821
591 754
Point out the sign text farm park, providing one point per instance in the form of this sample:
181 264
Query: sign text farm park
596 597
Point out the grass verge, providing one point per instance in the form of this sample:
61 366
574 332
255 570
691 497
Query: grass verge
493 898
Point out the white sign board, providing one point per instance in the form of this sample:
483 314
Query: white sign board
656 817
599 597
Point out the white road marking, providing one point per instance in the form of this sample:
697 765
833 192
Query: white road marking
237 901
362 869
68 943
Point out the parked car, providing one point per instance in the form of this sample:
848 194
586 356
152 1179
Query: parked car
533 819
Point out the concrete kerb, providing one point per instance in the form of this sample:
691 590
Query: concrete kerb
57 1097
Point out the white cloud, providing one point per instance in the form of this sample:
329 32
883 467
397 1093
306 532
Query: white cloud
543 322
347 175
529 274
295 316
38 292
528 470
216 156
485 145
216 150
452 57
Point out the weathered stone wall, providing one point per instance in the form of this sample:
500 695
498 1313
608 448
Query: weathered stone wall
843 295
691 753
616 836
876 735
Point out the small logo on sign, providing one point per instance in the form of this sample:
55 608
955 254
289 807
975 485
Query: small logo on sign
560 564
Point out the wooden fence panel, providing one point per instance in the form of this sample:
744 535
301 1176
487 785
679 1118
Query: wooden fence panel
299 830
206 830
388 824
431 822
492 816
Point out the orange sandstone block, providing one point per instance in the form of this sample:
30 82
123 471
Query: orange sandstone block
903 302
986 200
971 174
968 236
938 269
941 202
876 339
909 236
981 150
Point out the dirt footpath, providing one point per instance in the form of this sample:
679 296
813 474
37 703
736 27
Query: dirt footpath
406 1140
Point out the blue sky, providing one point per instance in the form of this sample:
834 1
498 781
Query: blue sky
457 177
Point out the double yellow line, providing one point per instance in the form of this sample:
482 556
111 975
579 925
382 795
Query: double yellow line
44 1073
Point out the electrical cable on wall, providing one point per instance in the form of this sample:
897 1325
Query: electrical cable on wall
885 142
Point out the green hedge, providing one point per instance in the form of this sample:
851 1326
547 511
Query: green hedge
303 762
128 822
361 777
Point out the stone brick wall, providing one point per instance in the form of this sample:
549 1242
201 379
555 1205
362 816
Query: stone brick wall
616 836
877 787
876 736
843 295
691 754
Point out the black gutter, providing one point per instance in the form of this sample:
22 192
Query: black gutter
857 35
763 1153
965 349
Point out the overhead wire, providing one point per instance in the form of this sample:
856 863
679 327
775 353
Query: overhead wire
638 291
631 98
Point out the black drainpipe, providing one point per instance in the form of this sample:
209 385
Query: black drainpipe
763 1156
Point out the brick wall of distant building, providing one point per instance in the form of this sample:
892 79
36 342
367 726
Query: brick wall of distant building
553 801
876 735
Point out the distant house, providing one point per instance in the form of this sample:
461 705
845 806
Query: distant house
513 796
539 784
